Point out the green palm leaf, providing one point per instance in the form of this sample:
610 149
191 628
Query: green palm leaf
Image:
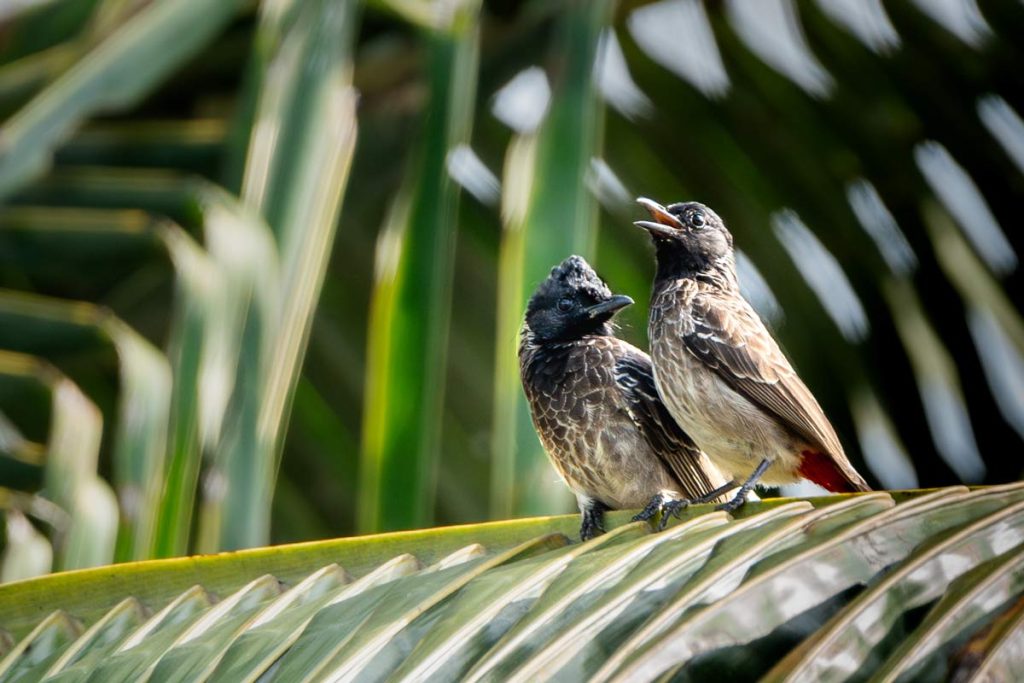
517 601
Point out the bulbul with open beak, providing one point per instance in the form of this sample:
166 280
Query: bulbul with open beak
720 373
595 407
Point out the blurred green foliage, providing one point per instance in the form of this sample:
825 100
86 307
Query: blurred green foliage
193 322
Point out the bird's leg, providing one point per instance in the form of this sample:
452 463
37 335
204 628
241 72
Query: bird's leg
667 506
673 506
711 495
741 496
593 518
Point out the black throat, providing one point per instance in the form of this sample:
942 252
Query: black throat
569 336
675 263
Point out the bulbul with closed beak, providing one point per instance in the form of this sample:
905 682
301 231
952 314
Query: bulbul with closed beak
720 372
595 407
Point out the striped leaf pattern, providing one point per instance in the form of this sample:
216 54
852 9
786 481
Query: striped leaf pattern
917 585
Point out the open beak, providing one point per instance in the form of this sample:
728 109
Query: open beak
617 302
664 223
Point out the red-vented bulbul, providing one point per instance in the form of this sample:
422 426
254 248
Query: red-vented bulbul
718 370
595 407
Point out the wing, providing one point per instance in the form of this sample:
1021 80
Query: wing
728 336
692 469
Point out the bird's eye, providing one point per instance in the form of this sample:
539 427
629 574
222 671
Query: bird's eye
565 304
697 219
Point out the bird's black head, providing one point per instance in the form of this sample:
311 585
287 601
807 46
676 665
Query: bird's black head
572 303
690 239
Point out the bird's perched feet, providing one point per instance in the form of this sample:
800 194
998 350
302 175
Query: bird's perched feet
740 498
593 520
666 506
734 503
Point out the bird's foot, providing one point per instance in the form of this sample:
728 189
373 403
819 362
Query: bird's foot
651 509
734 503
589 529
741 496
672 508
666 506
593 522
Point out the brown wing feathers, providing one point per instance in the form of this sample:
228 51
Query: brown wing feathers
688 465
728 337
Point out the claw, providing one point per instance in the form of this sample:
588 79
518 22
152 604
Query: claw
672 508
733 504
593 520
741 495
650 510
589 529
667 507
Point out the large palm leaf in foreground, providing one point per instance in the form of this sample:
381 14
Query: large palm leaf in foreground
171 236
900 586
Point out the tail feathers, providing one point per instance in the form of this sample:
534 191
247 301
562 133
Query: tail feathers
824 471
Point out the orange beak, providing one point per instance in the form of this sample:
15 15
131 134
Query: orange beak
664 223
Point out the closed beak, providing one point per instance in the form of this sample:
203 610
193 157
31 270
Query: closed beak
617 302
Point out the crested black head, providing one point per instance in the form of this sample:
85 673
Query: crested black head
571 303
690 239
